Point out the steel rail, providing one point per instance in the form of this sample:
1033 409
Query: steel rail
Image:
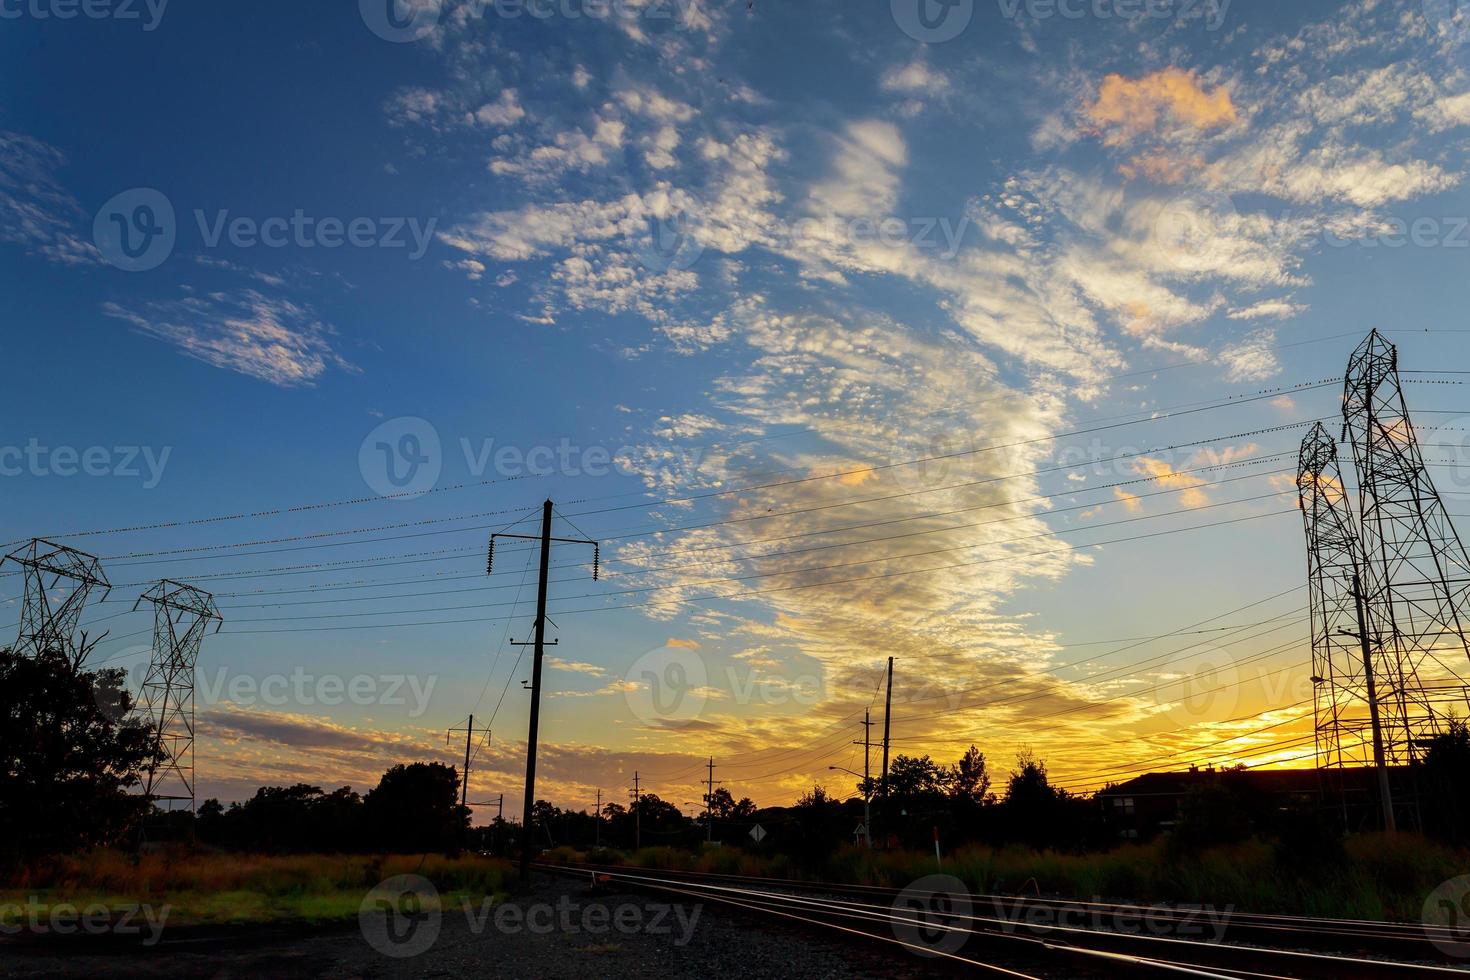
992 926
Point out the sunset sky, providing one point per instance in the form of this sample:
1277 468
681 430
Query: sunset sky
982 338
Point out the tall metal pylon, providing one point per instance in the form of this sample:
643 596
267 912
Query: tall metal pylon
181 617
58 582
1350 709
1416 576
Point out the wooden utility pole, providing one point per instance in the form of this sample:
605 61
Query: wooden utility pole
469 733
709 799
637 815
867 743
887 709
597 821
540 649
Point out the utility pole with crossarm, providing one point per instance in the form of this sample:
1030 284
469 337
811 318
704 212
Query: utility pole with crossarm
540 649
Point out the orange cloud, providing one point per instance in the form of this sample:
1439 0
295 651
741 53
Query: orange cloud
1127 107
1329 486
1212 456
1130 500
1163 473
1162 167
853 475
678 644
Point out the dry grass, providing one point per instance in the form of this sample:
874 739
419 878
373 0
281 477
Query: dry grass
213 888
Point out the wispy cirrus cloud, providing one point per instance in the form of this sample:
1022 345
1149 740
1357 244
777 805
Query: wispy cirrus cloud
267 338
36 211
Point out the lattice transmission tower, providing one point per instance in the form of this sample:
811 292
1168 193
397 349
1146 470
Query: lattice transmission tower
58 583
1346 673
1416 576
181 617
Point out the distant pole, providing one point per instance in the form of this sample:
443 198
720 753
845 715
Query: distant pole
709 799
1384 793
464 783
597 821
469 733
637 815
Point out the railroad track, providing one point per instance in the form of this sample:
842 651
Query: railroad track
985 931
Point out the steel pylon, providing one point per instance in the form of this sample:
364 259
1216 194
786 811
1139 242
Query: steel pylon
58 582
1345 683
181 617
1416 576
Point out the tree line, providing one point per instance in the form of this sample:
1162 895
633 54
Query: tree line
73 753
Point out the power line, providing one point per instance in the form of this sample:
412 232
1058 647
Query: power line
795 588
466 552
1094 505
876 468
819 568
352 501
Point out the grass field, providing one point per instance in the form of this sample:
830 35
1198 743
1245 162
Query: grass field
213 888
1382 877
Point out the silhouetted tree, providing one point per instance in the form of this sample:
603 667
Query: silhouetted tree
415 808
971 780
724 806
1034 808
1446 782
918 778
69 754
819 825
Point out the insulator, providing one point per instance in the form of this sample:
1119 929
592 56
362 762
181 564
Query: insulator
596 561
490 560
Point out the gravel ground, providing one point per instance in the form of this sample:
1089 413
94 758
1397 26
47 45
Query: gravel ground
577 936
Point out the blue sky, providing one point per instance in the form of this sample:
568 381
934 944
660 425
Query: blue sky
726 245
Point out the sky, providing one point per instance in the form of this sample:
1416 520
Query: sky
979 335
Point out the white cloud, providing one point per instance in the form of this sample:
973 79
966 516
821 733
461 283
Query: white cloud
918 84
36 212
865 177
273 340
1269 309
504 111
1252 359
916 77
575 667
416 106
